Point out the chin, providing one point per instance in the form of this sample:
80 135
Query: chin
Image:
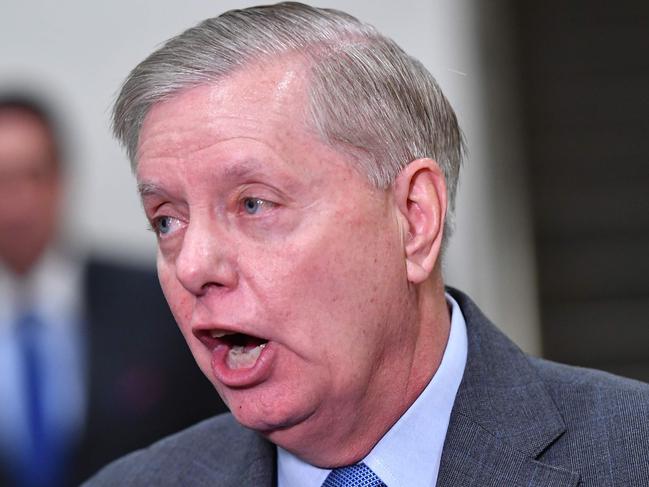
270 418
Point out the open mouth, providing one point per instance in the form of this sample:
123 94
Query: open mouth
243 350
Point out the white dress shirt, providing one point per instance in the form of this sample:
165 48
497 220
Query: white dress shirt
52 291
410 452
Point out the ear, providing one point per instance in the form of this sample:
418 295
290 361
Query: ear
420 193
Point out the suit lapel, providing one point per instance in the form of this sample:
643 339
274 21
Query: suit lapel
262 471
250 460
503 418
475 457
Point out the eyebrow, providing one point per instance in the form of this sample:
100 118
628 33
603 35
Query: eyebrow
238 171
149 189
249 168
244 169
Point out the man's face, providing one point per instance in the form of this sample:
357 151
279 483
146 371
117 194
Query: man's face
29 188
283 266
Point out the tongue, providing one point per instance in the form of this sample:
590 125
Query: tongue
243 357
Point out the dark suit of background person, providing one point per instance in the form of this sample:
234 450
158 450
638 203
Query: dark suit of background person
143 383
139 381
313 297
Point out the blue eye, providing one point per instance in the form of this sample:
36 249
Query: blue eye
162 225
253 205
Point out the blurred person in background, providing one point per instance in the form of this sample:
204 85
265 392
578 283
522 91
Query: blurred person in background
91 363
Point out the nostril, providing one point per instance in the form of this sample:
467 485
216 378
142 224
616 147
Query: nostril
209 285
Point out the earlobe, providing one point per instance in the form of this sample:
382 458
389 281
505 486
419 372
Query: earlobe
420 191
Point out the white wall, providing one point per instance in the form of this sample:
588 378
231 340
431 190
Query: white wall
80 51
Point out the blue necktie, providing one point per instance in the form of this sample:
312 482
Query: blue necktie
359 475
42 463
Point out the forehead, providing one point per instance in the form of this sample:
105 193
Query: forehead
25 140
255 102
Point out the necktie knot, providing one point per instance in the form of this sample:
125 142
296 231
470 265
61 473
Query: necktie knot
358 475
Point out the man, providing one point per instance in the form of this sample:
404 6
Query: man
299 170
83 381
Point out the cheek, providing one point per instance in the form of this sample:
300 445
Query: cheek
181 303
331 292
179 300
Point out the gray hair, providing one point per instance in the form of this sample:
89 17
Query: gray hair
366 93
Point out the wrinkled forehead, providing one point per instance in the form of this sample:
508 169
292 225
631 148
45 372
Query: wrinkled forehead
272 92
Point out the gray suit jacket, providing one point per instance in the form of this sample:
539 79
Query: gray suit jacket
516 421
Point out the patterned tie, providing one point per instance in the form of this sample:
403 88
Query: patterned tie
359 475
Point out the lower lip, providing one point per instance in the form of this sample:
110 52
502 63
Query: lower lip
243 377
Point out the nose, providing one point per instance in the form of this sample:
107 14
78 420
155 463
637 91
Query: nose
207 258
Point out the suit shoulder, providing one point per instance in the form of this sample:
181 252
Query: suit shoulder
607 412
206 448
582 393
569 378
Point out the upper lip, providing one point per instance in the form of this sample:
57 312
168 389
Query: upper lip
212 334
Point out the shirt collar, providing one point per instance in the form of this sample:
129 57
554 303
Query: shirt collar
410 452
52 289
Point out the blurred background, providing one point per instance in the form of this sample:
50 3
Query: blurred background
552 227
583 76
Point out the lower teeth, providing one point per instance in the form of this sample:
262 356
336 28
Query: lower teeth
240 358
